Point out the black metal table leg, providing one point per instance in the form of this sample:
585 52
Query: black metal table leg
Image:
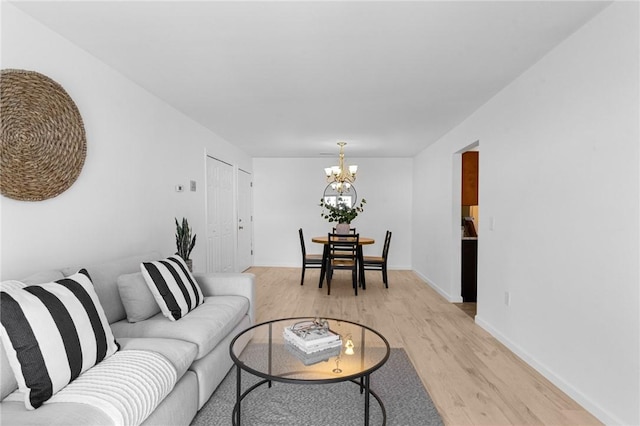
366 400
238 394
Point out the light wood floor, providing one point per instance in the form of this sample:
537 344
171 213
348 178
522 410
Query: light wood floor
469 308
471 377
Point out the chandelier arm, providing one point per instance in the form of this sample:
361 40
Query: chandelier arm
341 175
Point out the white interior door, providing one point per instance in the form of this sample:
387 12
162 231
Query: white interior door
220 218
245 221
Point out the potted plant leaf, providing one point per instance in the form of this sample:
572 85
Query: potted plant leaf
185 241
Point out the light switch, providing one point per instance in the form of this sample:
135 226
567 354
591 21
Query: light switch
179 188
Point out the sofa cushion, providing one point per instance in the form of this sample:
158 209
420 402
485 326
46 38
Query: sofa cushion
52 332
127 386
179 352
173 286
59 414
139 303
205 326
105 277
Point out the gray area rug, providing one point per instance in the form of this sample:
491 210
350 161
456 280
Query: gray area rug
396 383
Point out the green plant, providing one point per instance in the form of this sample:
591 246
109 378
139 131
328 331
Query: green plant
184 240
341 213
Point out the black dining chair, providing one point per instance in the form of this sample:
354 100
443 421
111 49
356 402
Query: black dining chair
342 254
379 263
351 230
308 260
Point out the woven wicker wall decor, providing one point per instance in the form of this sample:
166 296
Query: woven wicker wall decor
42 139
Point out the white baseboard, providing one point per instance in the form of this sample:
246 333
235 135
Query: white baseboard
441 292
588 404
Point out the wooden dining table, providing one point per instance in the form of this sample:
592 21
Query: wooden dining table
362 241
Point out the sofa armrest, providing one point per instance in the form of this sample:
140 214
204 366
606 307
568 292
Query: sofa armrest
230 284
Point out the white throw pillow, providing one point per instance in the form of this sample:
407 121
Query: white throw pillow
52 333
173 286
138 301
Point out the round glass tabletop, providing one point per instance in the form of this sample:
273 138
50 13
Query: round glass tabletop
269 355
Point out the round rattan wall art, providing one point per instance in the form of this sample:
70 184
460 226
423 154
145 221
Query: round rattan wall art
42 139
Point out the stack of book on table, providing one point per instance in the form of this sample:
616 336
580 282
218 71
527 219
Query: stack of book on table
312 346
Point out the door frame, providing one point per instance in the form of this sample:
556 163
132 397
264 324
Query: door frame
247 224
456 212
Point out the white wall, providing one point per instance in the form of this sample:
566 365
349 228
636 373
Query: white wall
287 192
559 174
138 149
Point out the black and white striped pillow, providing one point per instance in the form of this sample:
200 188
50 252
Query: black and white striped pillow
52 333
173 286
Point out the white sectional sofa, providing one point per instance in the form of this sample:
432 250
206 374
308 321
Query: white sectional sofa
197 345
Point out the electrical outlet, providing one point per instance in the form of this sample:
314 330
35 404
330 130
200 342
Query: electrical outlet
193 186
507 298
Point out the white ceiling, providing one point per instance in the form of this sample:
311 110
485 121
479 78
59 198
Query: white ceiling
290 79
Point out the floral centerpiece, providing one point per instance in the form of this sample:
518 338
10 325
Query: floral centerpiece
341 212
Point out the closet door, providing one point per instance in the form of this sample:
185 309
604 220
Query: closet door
220 217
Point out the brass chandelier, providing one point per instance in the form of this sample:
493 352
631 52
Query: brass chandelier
339 177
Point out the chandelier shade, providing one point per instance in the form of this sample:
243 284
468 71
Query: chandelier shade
340 177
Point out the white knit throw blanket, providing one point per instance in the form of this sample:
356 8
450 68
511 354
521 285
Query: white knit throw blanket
127 386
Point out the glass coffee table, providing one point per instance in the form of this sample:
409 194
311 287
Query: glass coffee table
269 356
